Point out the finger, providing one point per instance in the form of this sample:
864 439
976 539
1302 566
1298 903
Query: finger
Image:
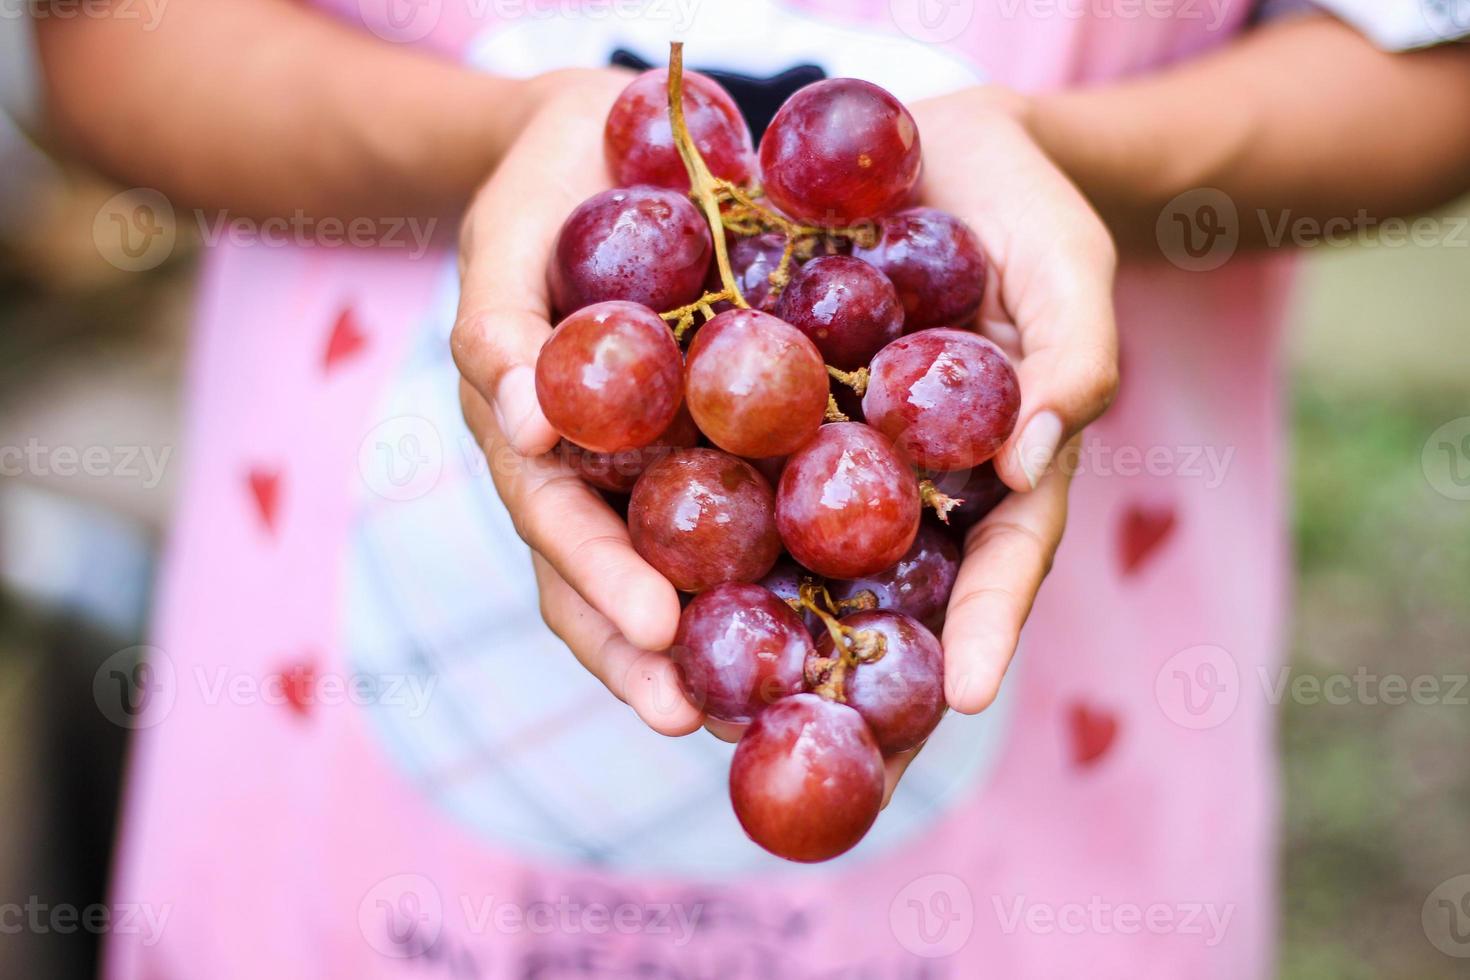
644 680
505 246
1007 555
572 527
1055 264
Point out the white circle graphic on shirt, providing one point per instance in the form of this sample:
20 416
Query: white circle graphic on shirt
932 21
1199 230
135 230
1446 459
401 458
1446 917
1198 688
933 916
136 687
401 916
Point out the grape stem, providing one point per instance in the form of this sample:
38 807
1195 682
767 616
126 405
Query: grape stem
856 380
943 503
834 413
683 316
703 185
828 675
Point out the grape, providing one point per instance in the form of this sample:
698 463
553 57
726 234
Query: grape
840 151
918 585
847 505
752 260
947 398
807 779
618 471
847 307
739 648
610 377
702 517
642 244
784 581
901 693
756 385
935 262
639 141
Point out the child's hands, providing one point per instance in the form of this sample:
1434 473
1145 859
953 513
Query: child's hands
1054 266
1050 302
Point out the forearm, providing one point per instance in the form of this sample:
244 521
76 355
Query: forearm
1304 116
266 107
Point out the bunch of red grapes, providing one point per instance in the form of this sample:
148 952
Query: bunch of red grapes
734 320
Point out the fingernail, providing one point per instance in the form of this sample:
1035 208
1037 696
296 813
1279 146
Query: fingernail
1038 445
515 399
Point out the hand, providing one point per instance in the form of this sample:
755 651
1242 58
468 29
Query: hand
608 605
1050 302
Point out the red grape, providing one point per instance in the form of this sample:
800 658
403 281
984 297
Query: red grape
935 263
610 377
807 779
840 151
756 385
784 581
918 585
739 648
642 244
847 504
947 398
702 518
752 260
618 471
900 694
847 307
639 141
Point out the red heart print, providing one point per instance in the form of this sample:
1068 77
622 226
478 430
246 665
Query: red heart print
1093 731
1143 530
345 340
265 490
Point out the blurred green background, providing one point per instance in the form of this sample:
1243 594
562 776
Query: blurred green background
1376 797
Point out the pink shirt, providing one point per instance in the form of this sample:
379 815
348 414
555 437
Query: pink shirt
366 756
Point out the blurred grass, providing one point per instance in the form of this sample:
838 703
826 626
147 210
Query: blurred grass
1376 797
